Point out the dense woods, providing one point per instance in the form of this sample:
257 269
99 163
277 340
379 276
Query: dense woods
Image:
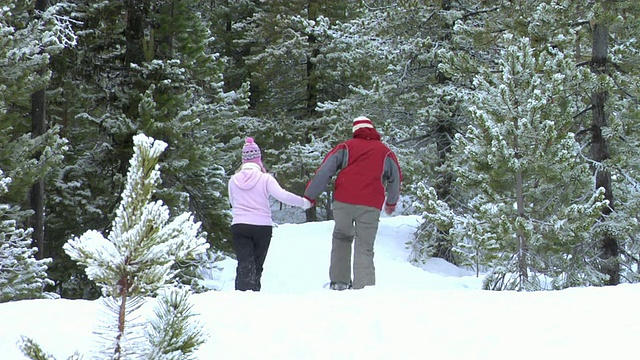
516 123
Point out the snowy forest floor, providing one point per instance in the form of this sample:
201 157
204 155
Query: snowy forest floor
436 311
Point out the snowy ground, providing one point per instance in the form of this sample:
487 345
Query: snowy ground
438 312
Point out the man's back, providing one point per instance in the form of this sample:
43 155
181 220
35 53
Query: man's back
362 181
366 169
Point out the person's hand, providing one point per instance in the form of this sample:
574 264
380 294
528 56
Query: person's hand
389 209
308 203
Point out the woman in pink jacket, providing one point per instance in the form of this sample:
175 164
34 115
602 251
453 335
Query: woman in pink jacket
251 227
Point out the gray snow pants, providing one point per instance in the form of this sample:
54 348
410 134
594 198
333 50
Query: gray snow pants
353 222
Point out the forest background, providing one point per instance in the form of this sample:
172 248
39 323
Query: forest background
515 122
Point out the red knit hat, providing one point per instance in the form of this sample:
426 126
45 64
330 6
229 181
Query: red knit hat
362 122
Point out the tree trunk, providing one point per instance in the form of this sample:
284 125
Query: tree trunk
600 152
443 136
521 239
311 214
520 236
328 208
38 128
312 85
136 19
134 32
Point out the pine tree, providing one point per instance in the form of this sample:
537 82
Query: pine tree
530 212
291 64
135 261
567 28
22 276
26 44
623 71
152 71
611 53
28 41
418 106
604 40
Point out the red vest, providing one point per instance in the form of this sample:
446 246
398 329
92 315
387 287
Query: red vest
360 182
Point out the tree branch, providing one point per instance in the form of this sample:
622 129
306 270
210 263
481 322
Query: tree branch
584 131
579 23
582 112
474 13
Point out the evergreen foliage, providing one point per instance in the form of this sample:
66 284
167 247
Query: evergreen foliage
201 273
27 40
134 261
287 120
154 74
22 276
202 76
616 80
34 351
550 27
520 160
173 334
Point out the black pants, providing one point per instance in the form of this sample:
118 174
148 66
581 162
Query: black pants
250 243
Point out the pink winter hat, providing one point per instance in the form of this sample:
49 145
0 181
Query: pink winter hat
251 152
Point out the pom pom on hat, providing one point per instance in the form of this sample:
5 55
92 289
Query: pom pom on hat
362 122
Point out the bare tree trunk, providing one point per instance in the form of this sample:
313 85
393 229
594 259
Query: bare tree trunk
38 128
329 209
311 214
312 80
117 352
312 85
599 152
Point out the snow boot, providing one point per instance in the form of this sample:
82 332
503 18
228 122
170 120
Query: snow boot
339 286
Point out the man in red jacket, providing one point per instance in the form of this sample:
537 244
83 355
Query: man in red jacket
366 170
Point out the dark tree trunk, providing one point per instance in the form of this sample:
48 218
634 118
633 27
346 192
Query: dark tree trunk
36 195
443 136
38 128
134 32
311 214
137 12
600 152
312 85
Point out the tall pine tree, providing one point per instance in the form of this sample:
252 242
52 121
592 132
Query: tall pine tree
29 39
140 66
531 211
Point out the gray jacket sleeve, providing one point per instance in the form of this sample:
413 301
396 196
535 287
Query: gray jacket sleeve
393 178
334 162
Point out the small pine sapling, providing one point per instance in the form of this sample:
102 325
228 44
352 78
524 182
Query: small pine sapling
135 262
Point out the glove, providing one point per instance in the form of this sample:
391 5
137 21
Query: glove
308 203
389 209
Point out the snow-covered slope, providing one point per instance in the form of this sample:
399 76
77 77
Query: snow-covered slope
434 312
